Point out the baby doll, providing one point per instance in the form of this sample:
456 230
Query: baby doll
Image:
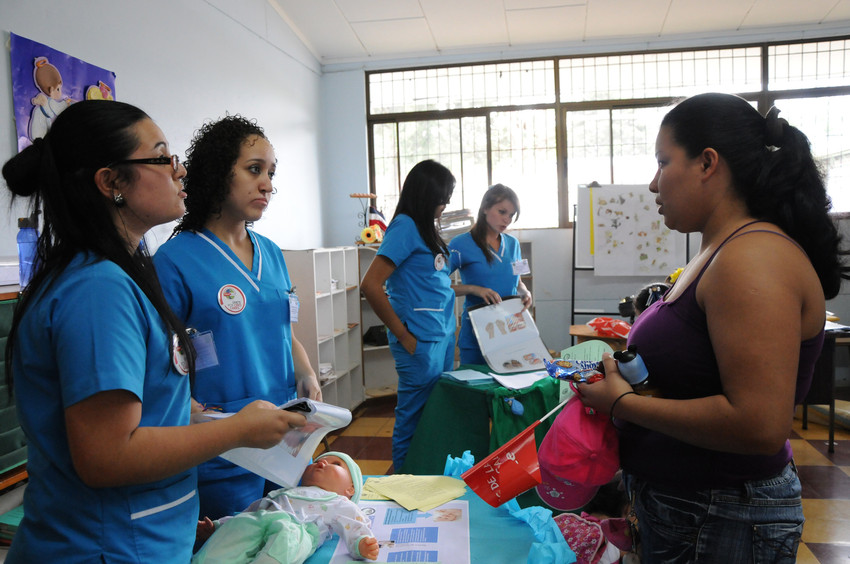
289 524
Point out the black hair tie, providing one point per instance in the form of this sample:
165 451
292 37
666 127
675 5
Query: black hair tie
773 127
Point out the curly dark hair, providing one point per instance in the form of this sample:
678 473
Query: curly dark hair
209 167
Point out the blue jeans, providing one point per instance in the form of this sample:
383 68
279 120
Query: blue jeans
761 521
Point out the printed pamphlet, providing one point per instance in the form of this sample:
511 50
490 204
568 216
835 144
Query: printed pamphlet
283 464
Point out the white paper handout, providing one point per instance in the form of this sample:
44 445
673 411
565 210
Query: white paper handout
508 337
438 535
284 463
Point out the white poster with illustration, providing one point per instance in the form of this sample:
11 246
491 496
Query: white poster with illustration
508 337
439 535
630 235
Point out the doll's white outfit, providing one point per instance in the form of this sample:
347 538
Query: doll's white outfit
285 527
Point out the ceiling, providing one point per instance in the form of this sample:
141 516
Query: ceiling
350 31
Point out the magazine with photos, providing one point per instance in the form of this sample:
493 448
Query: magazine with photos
508 337
284 463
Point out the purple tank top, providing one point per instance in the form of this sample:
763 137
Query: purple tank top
673 340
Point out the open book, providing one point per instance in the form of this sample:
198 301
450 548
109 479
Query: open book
283 464
508 337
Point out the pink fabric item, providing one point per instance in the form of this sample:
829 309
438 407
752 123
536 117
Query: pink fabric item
584 536
579 453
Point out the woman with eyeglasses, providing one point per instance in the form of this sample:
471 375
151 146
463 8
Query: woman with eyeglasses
489 262
231 288
418 304
101 366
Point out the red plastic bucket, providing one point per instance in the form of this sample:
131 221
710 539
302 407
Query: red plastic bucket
509 471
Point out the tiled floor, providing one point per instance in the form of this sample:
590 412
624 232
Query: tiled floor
825 477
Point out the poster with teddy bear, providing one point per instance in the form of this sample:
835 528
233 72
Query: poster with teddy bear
46 81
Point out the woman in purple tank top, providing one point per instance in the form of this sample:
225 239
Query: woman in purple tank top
732 346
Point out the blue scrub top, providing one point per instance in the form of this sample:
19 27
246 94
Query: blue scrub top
247 313
93 330
474 269
419 289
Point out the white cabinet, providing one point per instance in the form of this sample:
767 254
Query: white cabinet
327 282
379 375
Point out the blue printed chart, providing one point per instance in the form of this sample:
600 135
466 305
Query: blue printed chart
439 535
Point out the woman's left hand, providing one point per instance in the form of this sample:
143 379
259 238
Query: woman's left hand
308 387
601 395
526 300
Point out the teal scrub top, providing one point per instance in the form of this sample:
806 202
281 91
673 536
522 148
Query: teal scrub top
93 330
499 275
243 312
419 288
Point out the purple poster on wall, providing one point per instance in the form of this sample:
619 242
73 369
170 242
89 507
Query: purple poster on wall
46 81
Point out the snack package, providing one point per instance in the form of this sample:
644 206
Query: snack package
574 370
608 327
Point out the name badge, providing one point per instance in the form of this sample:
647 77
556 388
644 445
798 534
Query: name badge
231 299
205 349
178 357
520 267
294 306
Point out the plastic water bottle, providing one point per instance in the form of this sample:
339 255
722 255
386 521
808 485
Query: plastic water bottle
631 366
27 247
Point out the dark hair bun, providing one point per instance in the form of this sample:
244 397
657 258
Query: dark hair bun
22 171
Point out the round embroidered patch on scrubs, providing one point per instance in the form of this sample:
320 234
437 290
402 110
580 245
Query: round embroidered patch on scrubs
439 262
231 299
178 356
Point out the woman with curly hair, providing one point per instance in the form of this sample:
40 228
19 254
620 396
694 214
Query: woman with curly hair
231 288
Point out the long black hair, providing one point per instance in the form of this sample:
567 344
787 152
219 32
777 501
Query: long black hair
772 169
57 174
494 194
212 154
427 186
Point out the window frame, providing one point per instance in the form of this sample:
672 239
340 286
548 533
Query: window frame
764 98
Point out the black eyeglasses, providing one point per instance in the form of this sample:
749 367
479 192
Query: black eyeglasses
173 160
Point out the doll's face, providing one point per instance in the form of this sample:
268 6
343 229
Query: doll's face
55 92
329 473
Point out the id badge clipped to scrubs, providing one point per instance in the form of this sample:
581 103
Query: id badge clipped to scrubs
520 267
204 348
294 305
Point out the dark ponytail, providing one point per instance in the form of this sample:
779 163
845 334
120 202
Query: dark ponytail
772 169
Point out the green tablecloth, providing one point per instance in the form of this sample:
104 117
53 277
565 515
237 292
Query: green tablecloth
458 417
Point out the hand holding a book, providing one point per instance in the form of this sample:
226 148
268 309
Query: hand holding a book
263 425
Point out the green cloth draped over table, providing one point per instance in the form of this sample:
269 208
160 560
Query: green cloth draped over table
457 418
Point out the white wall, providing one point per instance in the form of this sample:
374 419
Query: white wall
345 156
185 62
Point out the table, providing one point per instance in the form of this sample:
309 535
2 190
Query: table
584 333
823 389
495 536
460 417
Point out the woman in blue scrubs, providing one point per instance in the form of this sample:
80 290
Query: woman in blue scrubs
490 263
231 288
101 366
418 305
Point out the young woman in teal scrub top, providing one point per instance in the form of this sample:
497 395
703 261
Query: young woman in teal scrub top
490 263
418 305
101 366
231 288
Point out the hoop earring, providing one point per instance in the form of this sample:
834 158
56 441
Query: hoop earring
118 199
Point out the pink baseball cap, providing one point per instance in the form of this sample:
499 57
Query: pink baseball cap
579 453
